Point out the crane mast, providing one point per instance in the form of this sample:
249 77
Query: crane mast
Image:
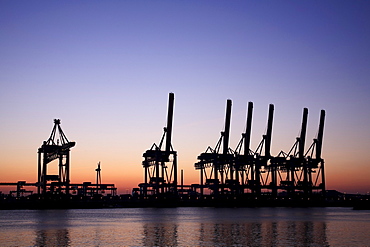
158 179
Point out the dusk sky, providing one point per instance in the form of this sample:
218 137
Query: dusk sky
105 68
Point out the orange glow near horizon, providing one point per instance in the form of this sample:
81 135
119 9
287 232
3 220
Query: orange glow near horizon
126 177
126 171
122 164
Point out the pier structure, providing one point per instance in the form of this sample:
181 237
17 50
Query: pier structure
160 162
88 189
20 190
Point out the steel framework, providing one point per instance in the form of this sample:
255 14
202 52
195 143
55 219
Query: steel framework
216 168
56 147
158 179
302 173
244 156
296 174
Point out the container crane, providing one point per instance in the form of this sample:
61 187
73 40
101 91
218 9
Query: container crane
56 147
220 164
157 178
262 155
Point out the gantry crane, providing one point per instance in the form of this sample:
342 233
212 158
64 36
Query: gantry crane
299 166
157 178
213 163
56 147
291 167
262 156
315 163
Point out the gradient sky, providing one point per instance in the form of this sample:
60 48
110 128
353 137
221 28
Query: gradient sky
105 68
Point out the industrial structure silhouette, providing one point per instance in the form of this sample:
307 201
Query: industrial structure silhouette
228 177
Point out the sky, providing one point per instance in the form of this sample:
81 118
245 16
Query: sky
105 68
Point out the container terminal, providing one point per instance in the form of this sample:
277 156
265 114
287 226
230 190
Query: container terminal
228 177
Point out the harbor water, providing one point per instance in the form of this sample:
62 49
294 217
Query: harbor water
186 227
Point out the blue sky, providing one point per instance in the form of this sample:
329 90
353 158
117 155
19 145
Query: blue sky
106 68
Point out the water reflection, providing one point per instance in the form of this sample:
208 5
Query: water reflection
264 234
51 228
160 227
52 238
185 227
162 234
303 233
240 233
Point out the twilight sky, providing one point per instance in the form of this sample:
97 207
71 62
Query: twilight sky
106 68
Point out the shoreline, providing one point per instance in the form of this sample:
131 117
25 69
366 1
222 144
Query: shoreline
170 201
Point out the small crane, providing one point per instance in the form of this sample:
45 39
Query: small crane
98 176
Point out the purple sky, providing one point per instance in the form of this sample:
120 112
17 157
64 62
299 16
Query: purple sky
106 68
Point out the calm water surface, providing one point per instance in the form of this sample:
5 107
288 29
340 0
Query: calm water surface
186 227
